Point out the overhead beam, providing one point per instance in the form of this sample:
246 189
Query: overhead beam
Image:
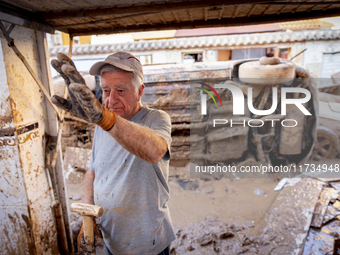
23 18
221 12
154 7
251 10
268 5
237 21
301 3
161 18
176 16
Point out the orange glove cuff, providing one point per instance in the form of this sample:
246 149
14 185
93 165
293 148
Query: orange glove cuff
108 120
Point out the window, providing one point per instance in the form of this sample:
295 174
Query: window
248 53
330 64
192 57
224 55
270 52
54 39
284 53
145 59
76 40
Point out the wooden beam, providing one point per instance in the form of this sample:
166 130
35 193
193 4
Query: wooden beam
23 18
235 12
321 207
283 8
161 18
205 14
264 12
326 7
296 211
103 21
191 15
293 11
251 10
134 22
122 23
176 16
155 7
266 19
311 8
220 15
301 3
147 20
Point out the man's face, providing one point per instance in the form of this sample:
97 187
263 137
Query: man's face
120 95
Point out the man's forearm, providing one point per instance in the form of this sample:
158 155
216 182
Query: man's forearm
88 190
139 140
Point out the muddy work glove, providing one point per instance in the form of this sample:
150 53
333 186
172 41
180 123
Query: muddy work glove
82 103
86 249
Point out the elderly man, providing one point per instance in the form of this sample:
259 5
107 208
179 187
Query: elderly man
130 155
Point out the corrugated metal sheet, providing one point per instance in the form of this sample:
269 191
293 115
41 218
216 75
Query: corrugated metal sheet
204 41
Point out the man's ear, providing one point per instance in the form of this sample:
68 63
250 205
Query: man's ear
140 90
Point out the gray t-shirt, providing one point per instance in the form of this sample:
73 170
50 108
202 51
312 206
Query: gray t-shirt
133 192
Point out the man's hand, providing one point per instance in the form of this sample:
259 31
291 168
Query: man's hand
83 103
85 249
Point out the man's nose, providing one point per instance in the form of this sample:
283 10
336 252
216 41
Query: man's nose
113 98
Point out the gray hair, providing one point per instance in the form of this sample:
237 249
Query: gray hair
136 81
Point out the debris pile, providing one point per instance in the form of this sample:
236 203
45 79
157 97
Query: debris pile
77 134
213 236
325 226
304 219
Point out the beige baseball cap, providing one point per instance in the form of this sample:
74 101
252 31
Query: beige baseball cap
122 60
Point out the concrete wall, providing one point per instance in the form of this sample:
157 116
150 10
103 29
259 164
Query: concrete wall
26 220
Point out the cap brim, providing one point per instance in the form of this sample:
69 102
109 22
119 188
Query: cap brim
95 68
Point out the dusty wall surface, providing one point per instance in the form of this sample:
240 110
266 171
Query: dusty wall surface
15 237
313 60
25 196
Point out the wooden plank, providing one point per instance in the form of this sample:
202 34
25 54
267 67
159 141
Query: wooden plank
335 185
320 241
331 213
268 18
52 129
288 220
140 9
321 207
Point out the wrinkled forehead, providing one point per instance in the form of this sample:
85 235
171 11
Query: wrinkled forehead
122 79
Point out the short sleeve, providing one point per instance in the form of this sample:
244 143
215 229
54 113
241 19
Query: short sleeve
92 158
161 125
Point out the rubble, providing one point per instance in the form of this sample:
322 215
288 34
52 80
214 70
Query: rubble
322 237
213 236
286 228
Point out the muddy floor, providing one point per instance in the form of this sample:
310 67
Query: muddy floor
236 201
239 202
228 216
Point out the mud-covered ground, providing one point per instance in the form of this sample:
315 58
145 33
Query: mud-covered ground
243 216
204 205
234 201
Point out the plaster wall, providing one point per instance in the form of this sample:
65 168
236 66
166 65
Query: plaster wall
314 54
